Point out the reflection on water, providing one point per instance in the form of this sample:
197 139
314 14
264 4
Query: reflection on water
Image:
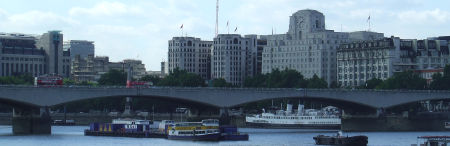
73 136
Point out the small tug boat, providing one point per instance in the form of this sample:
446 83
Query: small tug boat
360 140
207 130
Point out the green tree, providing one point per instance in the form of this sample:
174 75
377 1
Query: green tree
273 79
287 78
404 80
447 71
292 79
151 78
316 82
256 81
441 82
373 83
20 79
182 78
334 84
68 81
87 83
221 83
113 78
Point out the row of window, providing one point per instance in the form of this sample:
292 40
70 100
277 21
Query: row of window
298 48
363 76
205 50
362 68
9 69
22 59
311 41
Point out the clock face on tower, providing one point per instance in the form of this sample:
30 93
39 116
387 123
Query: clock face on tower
301 22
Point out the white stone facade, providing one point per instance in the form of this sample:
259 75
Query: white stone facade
363 60
233 57
308 47
190 54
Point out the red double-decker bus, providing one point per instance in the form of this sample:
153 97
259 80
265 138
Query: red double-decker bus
141 84
50 80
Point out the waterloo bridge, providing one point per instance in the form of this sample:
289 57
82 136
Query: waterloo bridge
24 98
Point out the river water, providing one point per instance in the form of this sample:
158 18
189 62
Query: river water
73 136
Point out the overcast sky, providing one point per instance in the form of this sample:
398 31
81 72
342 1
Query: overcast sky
140 29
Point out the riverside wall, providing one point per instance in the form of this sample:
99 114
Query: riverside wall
434 122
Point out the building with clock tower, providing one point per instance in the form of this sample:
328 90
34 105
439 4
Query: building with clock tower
308 46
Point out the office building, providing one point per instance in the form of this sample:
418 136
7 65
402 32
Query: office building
190 54
234 57
363 60
80 47
308 47
33 54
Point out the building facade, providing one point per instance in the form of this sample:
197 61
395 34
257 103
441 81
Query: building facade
80 47
234 57
91 68
138 69
363 60
83 68
190 54
31 54
164 69
308 47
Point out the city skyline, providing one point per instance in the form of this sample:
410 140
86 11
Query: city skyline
140 30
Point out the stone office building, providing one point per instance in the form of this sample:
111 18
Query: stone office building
234 57
308 47
190 54
363 60
31 54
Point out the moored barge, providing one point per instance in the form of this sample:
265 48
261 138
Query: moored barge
359 140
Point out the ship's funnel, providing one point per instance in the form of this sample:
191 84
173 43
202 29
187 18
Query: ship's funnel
300 109
289 108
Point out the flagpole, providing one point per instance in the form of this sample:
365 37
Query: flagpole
182 29
368 19
228 27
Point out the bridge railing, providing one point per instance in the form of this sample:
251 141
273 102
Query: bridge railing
234 89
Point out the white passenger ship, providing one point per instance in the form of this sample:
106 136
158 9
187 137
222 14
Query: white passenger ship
325 118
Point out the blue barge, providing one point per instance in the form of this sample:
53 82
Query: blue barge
165 129
125 128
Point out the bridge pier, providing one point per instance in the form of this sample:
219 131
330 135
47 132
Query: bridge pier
31 121
224 116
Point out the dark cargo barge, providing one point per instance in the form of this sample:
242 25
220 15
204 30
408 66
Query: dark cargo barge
360 140
87 132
